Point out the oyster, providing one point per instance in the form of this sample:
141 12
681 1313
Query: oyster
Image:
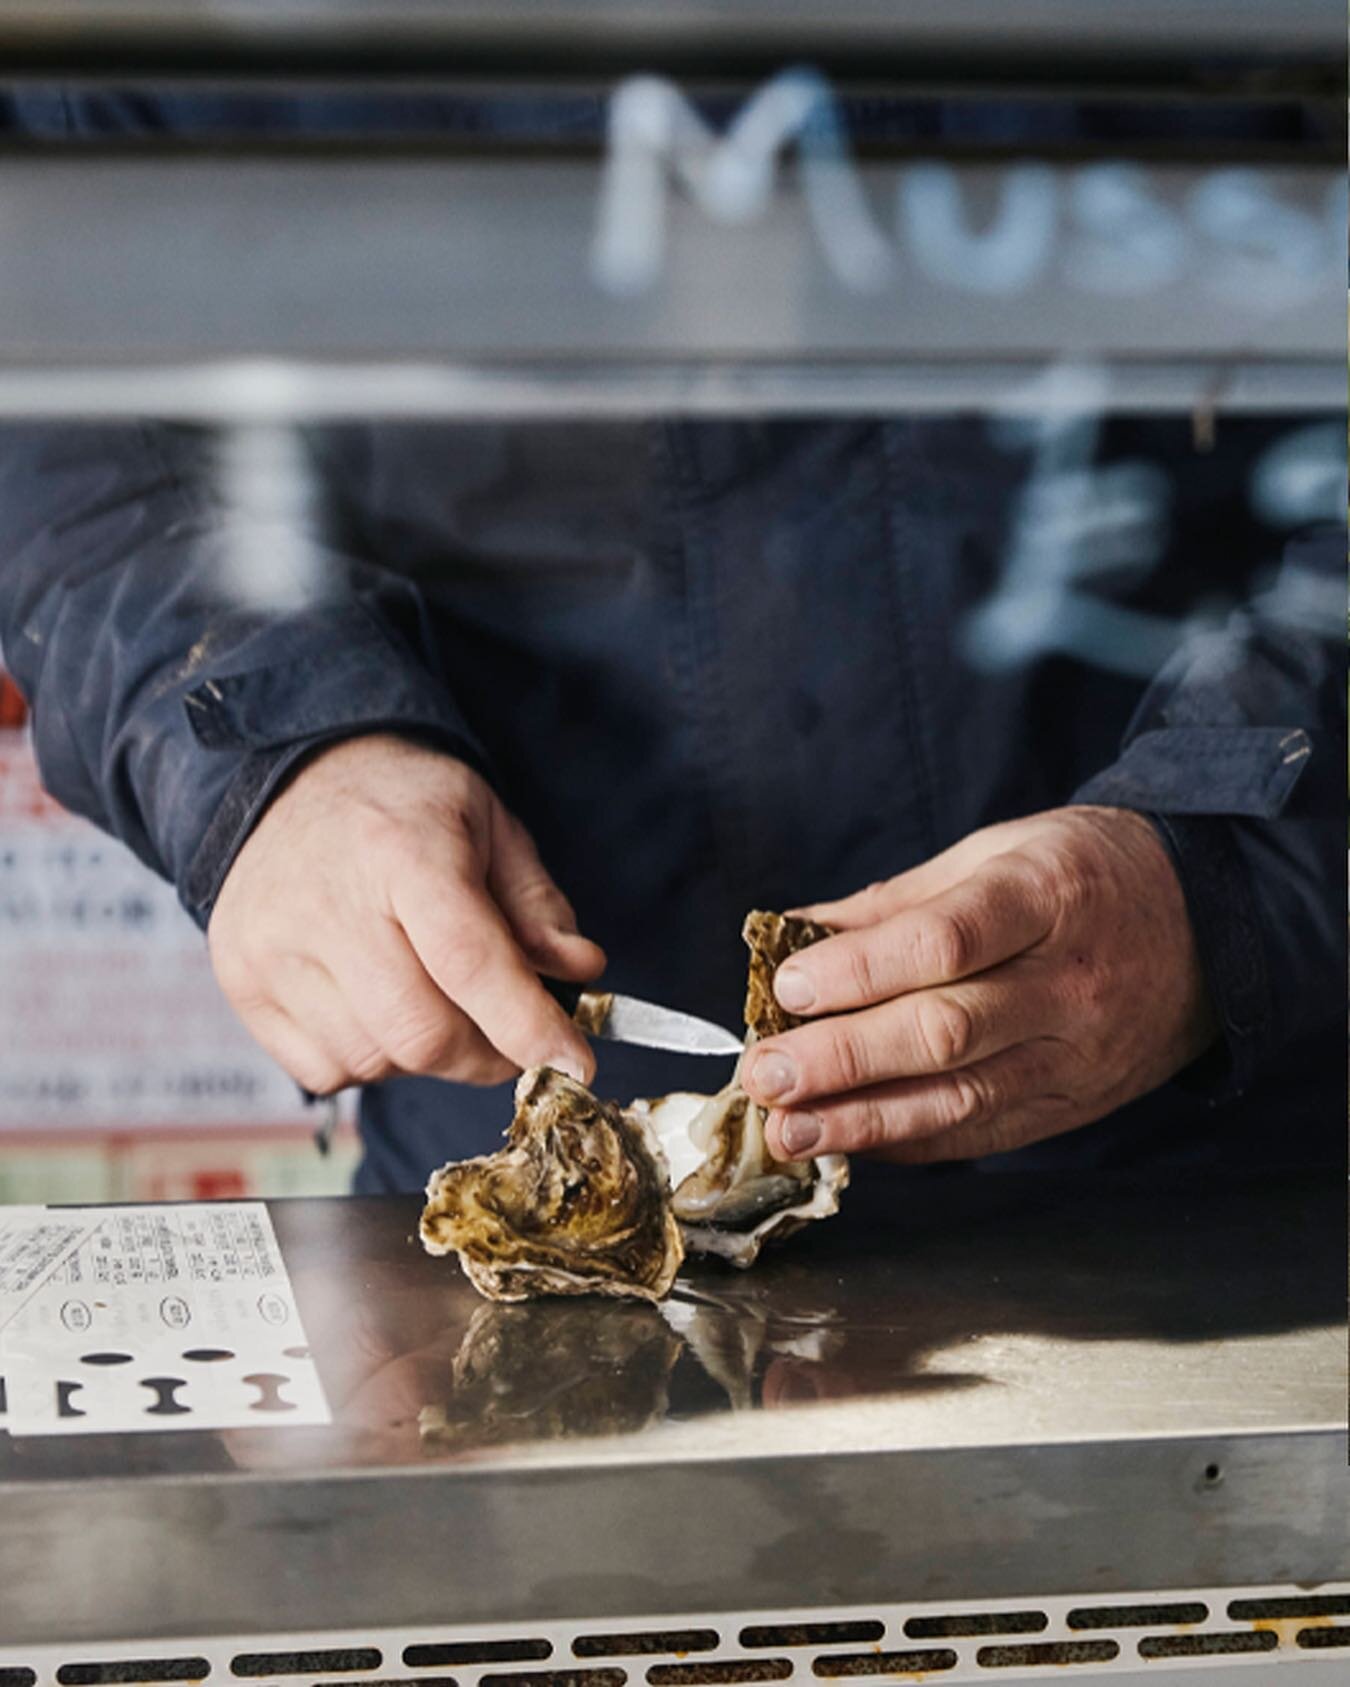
728 1191
590 1197
576 1203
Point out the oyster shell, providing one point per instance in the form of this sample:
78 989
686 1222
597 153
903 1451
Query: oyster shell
588 1197
576 1203
771 938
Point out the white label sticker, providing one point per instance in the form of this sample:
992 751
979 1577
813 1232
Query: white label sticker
160 1317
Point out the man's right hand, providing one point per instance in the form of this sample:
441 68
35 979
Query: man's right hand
388 915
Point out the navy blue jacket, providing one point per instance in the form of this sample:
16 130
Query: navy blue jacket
712 666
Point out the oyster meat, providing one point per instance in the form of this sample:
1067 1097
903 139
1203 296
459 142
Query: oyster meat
588 1197
576 1203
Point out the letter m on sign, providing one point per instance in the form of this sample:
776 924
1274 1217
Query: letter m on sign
656 134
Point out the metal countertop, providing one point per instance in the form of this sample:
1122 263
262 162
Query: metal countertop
1155 1371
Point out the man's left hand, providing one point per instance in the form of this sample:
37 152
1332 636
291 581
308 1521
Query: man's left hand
1033 978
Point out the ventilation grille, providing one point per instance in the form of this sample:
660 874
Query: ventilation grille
1060 1638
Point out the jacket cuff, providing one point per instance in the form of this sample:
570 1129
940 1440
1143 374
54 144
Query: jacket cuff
260 726
1209 770
1226 925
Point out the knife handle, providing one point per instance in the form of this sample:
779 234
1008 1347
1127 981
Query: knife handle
587 1009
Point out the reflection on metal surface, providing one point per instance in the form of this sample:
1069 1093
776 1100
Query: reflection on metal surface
984 1310
543 1370
938 1311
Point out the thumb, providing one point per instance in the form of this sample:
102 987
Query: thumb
541 918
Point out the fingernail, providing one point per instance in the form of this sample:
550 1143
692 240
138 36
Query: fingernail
772 1074
794 989
800 1132
568 1064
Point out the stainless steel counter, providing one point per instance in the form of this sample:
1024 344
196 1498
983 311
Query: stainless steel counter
967 1390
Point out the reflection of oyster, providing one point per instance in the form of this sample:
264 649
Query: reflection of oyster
586 1196
530 1373
576 1203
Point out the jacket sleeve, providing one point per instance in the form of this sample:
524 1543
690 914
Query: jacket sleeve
171 689
1237 754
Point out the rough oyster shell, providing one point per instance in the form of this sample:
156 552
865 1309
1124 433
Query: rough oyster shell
576 1203
771 938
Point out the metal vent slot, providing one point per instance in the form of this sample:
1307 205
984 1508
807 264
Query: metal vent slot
811 1634
303 1663
975 1622
1312 1605
710 1672
18 1678
476 1652
1048 1652
1136 1616
558 1678
1320 1639
133 1669
1207 1645
883 1663
646 1640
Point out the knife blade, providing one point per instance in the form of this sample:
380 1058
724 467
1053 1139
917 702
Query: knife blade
627 1019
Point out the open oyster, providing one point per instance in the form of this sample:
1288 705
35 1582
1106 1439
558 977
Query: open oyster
728 1191
589 1197
576 1203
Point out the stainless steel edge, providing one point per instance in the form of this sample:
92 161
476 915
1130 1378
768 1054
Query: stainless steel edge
110 1560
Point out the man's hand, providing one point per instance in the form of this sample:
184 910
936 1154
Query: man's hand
388 915
1031 979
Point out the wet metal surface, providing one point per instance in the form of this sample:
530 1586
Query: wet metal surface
952 1311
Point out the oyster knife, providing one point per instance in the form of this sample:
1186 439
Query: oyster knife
626 1019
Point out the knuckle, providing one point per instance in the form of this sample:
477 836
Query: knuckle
968 1099
379 835
1069 879
862 975
945 945
945 1030
848 1058
860 1126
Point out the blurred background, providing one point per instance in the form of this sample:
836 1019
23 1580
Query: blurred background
1103 241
